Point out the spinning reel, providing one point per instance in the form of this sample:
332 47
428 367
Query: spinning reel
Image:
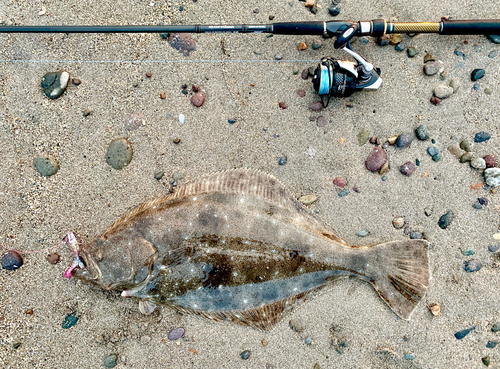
340 78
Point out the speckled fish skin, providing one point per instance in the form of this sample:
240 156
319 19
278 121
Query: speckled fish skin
236 246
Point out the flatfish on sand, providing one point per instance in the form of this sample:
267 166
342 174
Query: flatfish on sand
237 246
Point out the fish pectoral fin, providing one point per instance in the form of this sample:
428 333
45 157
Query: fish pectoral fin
146 307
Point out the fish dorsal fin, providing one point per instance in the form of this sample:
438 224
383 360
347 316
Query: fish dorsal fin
263 318
242 181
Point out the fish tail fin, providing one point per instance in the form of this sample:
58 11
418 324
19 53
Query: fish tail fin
402 275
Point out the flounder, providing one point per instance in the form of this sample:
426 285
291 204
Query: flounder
236 246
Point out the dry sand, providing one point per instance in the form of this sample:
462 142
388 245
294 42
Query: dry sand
86 195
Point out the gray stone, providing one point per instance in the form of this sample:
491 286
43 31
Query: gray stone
443 91
482 137
477 74
362 233
492 177
494 38
422 133
431 68
110 361
412 51
54 84
431 150
404 139
445 220
46 165
119 153
398 222
472 266
12 260
177 176
465 145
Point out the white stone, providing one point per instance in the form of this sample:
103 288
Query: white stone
492 177
443 91
181 118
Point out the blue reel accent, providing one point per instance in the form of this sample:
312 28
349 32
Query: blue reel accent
325 80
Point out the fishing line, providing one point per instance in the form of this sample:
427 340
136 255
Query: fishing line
159 61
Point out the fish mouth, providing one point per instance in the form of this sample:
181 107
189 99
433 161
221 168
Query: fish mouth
90 272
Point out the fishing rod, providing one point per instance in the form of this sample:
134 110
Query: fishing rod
332 77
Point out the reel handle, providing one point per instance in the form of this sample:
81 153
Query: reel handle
346 36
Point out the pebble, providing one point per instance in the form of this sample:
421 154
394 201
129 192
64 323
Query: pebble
445 220
496 327
282 160
339 182
492 54
431 68
466 157
476 86
412 51
362 233
363 40
416 235
76 81
428 212
86 112
316 106
159 175
431 150
182 42
486 361
176 333
70 320
54 84
334 11
477 74
296 325
404 139
384 40
461 54
176 140
422 133
478 163
305 74
494 247
465 145
164 36
472 266
428 57
302 46
443 91
245 355
398 222
231 121
468 252
455 151
374 140
399 47
46 165
134 121
308 199
492 177
198 99
409 356
317 44
461 334
492 344
343 193
435 309
396 39
363 136
488 91
53 258
301 93
163 95
181 118
392 140
407 168
12 260
321 121
149 74
482 137
435 100
376 159
282 105
177 176
477 205
494 38
278 56
110 361
385 168
455 84
119 153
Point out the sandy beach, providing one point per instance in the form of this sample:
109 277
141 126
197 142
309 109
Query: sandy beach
346 324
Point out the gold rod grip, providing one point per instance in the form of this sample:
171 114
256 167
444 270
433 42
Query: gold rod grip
414 27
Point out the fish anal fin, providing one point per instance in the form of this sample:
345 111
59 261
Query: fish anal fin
263 318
